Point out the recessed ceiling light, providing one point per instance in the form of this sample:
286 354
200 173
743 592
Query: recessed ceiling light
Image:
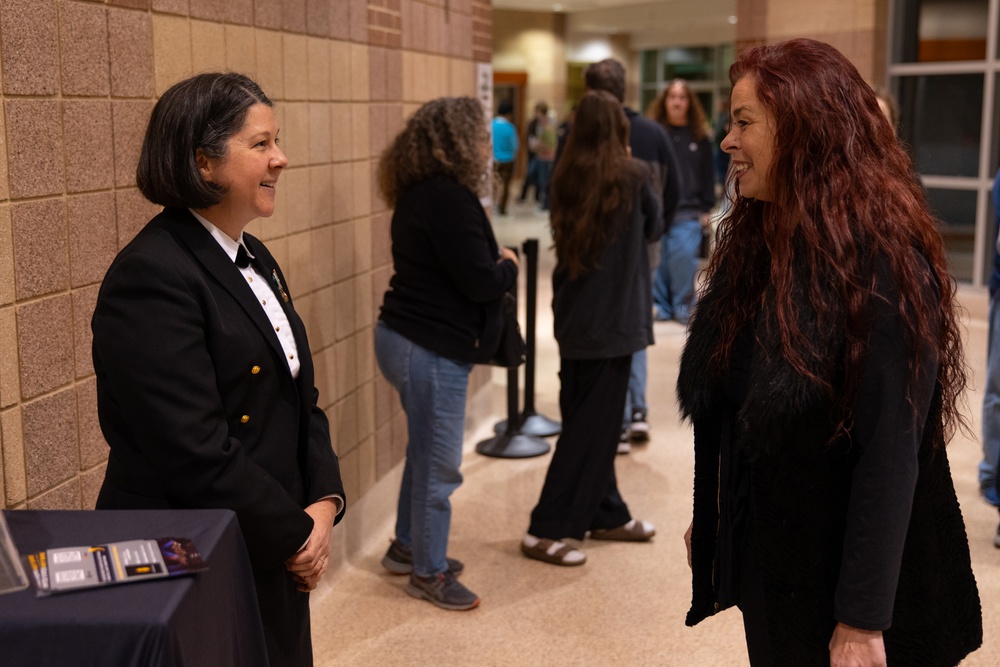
557 7
732 20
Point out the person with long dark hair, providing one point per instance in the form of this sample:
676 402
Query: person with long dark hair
678 110
605 210
822 375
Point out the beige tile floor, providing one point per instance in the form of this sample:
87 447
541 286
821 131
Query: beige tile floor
626 605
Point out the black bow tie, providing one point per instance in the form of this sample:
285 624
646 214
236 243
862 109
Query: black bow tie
242 257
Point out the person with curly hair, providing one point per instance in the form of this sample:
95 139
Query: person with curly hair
678 110
605 210
441 314
822 374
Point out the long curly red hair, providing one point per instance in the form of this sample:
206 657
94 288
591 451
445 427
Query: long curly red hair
842 187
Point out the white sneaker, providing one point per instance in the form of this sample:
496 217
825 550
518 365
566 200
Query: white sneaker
624 444
639 428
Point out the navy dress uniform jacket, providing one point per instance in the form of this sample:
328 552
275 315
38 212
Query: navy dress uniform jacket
198 405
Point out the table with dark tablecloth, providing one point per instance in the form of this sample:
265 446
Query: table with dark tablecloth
209 618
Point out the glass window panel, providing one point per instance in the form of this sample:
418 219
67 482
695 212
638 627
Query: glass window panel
941 30
994 140
649 66
956 209
988 247
705 97
941 121
726 55
693 64
648 95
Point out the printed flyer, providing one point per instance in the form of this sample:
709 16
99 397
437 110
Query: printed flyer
73 568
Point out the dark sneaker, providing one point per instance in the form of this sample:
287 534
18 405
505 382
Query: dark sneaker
639 428
399 560
996 540
444 590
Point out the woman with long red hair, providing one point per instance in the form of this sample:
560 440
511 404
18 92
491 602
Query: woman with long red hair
822 374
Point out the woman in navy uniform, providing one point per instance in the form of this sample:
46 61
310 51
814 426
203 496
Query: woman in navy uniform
204 377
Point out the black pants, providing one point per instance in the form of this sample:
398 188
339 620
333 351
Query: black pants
531 180
580 491
284 611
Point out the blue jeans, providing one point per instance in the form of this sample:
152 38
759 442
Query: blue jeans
544 178
673 287
635 399
991 400
432 390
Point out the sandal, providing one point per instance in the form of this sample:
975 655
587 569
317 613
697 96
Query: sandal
552 551
633 531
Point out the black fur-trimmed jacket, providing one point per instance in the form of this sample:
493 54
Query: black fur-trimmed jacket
866 529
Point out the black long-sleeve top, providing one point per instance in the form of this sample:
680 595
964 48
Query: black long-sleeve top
864 529
649 142
697 176
885 440
445 294
607 312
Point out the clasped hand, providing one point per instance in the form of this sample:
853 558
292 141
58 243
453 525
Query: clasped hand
308 565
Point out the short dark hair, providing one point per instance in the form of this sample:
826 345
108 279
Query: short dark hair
201 112
506 107
609 75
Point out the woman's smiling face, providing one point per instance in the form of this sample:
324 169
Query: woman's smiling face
750 142
248 172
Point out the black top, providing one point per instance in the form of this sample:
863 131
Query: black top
863 528
445 295
734 478
649 143
886 438
194 393
607 312
697 178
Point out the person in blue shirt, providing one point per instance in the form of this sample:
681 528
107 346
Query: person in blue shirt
504 151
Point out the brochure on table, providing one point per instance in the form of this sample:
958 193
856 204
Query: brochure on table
73 568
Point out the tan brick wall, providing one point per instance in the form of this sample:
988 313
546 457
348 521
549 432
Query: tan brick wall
77 82
855 27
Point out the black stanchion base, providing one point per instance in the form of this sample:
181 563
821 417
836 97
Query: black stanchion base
513 446
533 424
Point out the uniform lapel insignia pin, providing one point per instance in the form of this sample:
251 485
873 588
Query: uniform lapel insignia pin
277 283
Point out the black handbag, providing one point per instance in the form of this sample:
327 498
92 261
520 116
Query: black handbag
512 349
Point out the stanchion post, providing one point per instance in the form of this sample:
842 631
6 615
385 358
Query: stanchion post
512 442
530 421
